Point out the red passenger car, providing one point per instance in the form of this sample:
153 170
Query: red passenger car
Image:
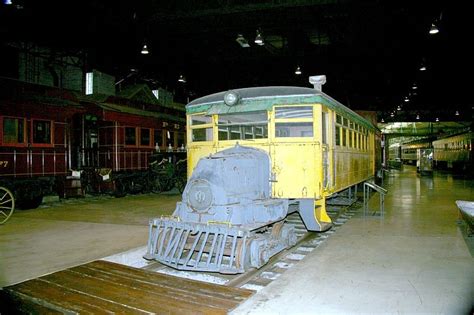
45 133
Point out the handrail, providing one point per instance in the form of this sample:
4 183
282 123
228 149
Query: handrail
382 191
376 187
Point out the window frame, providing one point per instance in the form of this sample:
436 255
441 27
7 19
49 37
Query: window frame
125 137
243 127
25 133
31 134
310 120
205 127
151 141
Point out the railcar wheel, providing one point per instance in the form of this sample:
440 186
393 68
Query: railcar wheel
7 204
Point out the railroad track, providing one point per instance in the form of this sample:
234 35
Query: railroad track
104 286
256 279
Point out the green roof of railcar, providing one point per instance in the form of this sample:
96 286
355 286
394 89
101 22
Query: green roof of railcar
264 98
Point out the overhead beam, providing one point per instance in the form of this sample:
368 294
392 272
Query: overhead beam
229 8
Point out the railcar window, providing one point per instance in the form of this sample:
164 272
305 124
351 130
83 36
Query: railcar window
158 136
181 139
253 125
200 120
294 112
130 136
345 122
344 139
145 139
201 128
294 121
351 125
201 134
302 129
338 135
13 130
41 132
338 119
170 139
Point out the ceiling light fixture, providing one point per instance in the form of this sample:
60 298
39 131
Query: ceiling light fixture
145 50
399 107
392 114
457 113
434 29
414 87
406 99
422 67
242 41
437 119
417 117
382 120
182 79
298 70
259 38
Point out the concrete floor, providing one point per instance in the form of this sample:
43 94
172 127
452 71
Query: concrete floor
412 260
63 234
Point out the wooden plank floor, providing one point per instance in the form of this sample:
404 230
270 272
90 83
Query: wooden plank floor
106 287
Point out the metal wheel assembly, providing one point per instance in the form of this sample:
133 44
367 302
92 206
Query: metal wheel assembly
7 204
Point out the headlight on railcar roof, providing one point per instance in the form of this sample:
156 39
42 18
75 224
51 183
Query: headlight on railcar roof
231 98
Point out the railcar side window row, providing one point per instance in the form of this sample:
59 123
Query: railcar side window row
350 134
290 121
142 137
15 132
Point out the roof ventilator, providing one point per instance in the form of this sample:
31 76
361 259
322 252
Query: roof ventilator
317 81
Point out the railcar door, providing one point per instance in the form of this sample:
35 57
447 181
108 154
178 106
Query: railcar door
84 141
327 141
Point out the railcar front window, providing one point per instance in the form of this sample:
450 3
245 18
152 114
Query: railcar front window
294 129
202 134
294 121
294 112
243 126
200 120
41 132
13 130
201 128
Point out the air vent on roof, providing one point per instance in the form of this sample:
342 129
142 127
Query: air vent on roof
317 81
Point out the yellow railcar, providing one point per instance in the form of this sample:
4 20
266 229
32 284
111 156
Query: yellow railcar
256 155
317 146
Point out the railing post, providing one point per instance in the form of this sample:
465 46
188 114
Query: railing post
380 190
